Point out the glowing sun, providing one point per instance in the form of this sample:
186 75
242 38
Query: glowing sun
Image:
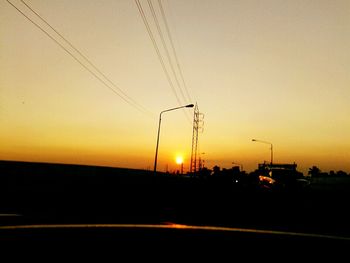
179 159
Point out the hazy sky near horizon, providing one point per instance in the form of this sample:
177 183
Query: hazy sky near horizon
274 70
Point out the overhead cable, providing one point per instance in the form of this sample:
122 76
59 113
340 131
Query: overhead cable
104 79
149 31
166 49
173 49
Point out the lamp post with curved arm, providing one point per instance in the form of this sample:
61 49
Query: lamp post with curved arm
271 147
160 120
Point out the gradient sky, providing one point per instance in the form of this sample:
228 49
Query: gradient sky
273 70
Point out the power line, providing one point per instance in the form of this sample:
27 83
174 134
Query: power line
144 19
165 48
160 57
168 56
123 96
173 48
86 58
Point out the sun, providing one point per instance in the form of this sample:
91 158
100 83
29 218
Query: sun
179 159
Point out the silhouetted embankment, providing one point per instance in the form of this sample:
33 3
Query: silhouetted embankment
55 193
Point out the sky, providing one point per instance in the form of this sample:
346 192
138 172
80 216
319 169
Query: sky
273 70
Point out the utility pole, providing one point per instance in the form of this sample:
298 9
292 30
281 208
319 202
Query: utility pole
197 125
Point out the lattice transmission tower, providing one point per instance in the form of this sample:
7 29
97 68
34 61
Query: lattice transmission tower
197 127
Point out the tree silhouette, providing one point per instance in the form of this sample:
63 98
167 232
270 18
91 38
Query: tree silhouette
216 170
341 173
314 171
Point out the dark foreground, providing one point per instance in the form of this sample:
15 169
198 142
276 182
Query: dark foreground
52 194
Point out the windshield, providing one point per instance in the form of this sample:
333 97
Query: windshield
176 111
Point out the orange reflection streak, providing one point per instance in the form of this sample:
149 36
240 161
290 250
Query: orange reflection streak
176 226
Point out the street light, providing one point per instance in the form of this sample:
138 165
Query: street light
254 140
160 119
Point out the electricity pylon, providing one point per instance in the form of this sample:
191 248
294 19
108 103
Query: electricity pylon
197 126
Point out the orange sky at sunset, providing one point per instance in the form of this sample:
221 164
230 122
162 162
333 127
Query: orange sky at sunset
273 70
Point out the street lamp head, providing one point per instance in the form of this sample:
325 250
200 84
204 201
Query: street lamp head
189 106
254 140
